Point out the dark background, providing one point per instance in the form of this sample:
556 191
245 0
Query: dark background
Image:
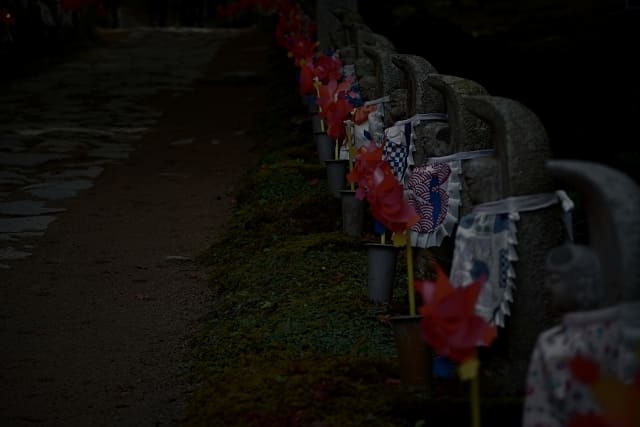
573 63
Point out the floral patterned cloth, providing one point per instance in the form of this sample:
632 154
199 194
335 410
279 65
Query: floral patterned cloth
609 337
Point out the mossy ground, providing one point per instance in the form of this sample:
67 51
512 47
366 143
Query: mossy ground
292 338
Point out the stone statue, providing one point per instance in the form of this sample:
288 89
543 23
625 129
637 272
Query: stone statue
597 286
517 170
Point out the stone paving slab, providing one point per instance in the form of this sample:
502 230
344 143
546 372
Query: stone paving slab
29 223
57 190
27 208
89 108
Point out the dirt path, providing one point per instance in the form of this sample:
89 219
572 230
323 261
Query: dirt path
95 324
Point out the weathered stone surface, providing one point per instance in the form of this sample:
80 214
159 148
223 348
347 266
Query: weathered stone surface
348 55
327 20
186 141
421 96
11 144
90 172
388 76
467 133
56 190
350 22
28 159
12 254
365 67
110 152
9 177
397 105
428 136
63 145
32 223
366 37
27 208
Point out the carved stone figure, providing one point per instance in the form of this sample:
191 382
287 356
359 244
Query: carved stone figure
585 368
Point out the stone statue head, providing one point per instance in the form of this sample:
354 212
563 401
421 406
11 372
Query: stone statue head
574 276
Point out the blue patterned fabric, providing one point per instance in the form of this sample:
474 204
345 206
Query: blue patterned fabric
397 143
485 249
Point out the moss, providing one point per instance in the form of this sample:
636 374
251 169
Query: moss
305 390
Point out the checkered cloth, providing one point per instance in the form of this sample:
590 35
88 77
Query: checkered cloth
396 148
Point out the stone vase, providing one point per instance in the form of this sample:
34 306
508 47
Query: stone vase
325 147
414 355
381 271
352 213
337 175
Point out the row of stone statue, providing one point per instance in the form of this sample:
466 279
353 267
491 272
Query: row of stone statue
555 276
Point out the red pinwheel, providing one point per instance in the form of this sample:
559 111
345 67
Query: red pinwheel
334 107
306 78
324 69
384 193
618 400
449 323
361 114
387 202
334 117
292 25
301 48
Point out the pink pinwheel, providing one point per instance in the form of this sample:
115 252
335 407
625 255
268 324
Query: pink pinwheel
324 68
330 92
334 107
449 323
367 159
328 68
